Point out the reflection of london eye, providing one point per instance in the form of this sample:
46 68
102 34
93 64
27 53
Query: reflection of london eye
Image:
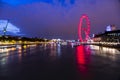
84 30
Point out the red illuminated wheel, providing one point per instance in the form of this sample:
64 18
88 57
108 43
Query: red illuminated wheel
84 32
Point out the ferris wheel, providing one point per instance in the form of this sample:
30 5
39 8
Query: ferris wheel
84 30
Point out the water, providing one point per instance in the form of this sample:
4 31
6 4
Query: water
59 62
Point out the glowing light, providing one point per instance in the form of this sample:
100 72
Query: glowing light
108 28
24 46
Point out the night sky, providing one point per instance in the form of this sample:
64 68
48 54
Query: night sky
59 18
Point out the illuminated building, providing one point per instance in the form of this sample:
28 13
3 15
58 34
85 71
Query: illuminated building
108 36
111 28
111 34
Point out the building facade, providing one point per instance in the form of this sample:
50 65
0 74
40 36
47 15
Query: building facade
108 36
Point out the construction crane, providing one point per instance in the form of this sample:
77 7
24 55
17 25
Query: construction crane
5 28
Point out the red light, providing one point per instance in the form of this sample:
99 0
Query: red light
83 59
80 55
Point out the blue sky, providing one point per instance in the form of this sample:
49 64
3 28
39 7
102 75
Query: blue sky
21 2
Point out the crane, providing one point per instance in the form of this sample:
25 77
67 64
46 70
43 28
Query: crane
5 28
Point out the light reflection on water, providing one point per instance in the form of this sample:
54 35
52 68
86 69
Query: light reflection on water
55 51
84 53
59 49
3 61
88 65
20 51
86 57
83 59
7 54
106 52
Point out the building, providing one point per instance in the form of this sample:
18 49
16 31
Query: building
108 36
111 28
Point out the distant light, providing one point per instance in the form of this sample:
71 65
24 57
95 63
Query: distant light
58 39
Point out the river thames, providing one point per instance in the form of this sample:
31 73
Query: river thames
59 62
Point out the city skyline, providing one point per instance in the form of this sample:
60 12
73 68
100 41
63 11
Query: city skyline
59 18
